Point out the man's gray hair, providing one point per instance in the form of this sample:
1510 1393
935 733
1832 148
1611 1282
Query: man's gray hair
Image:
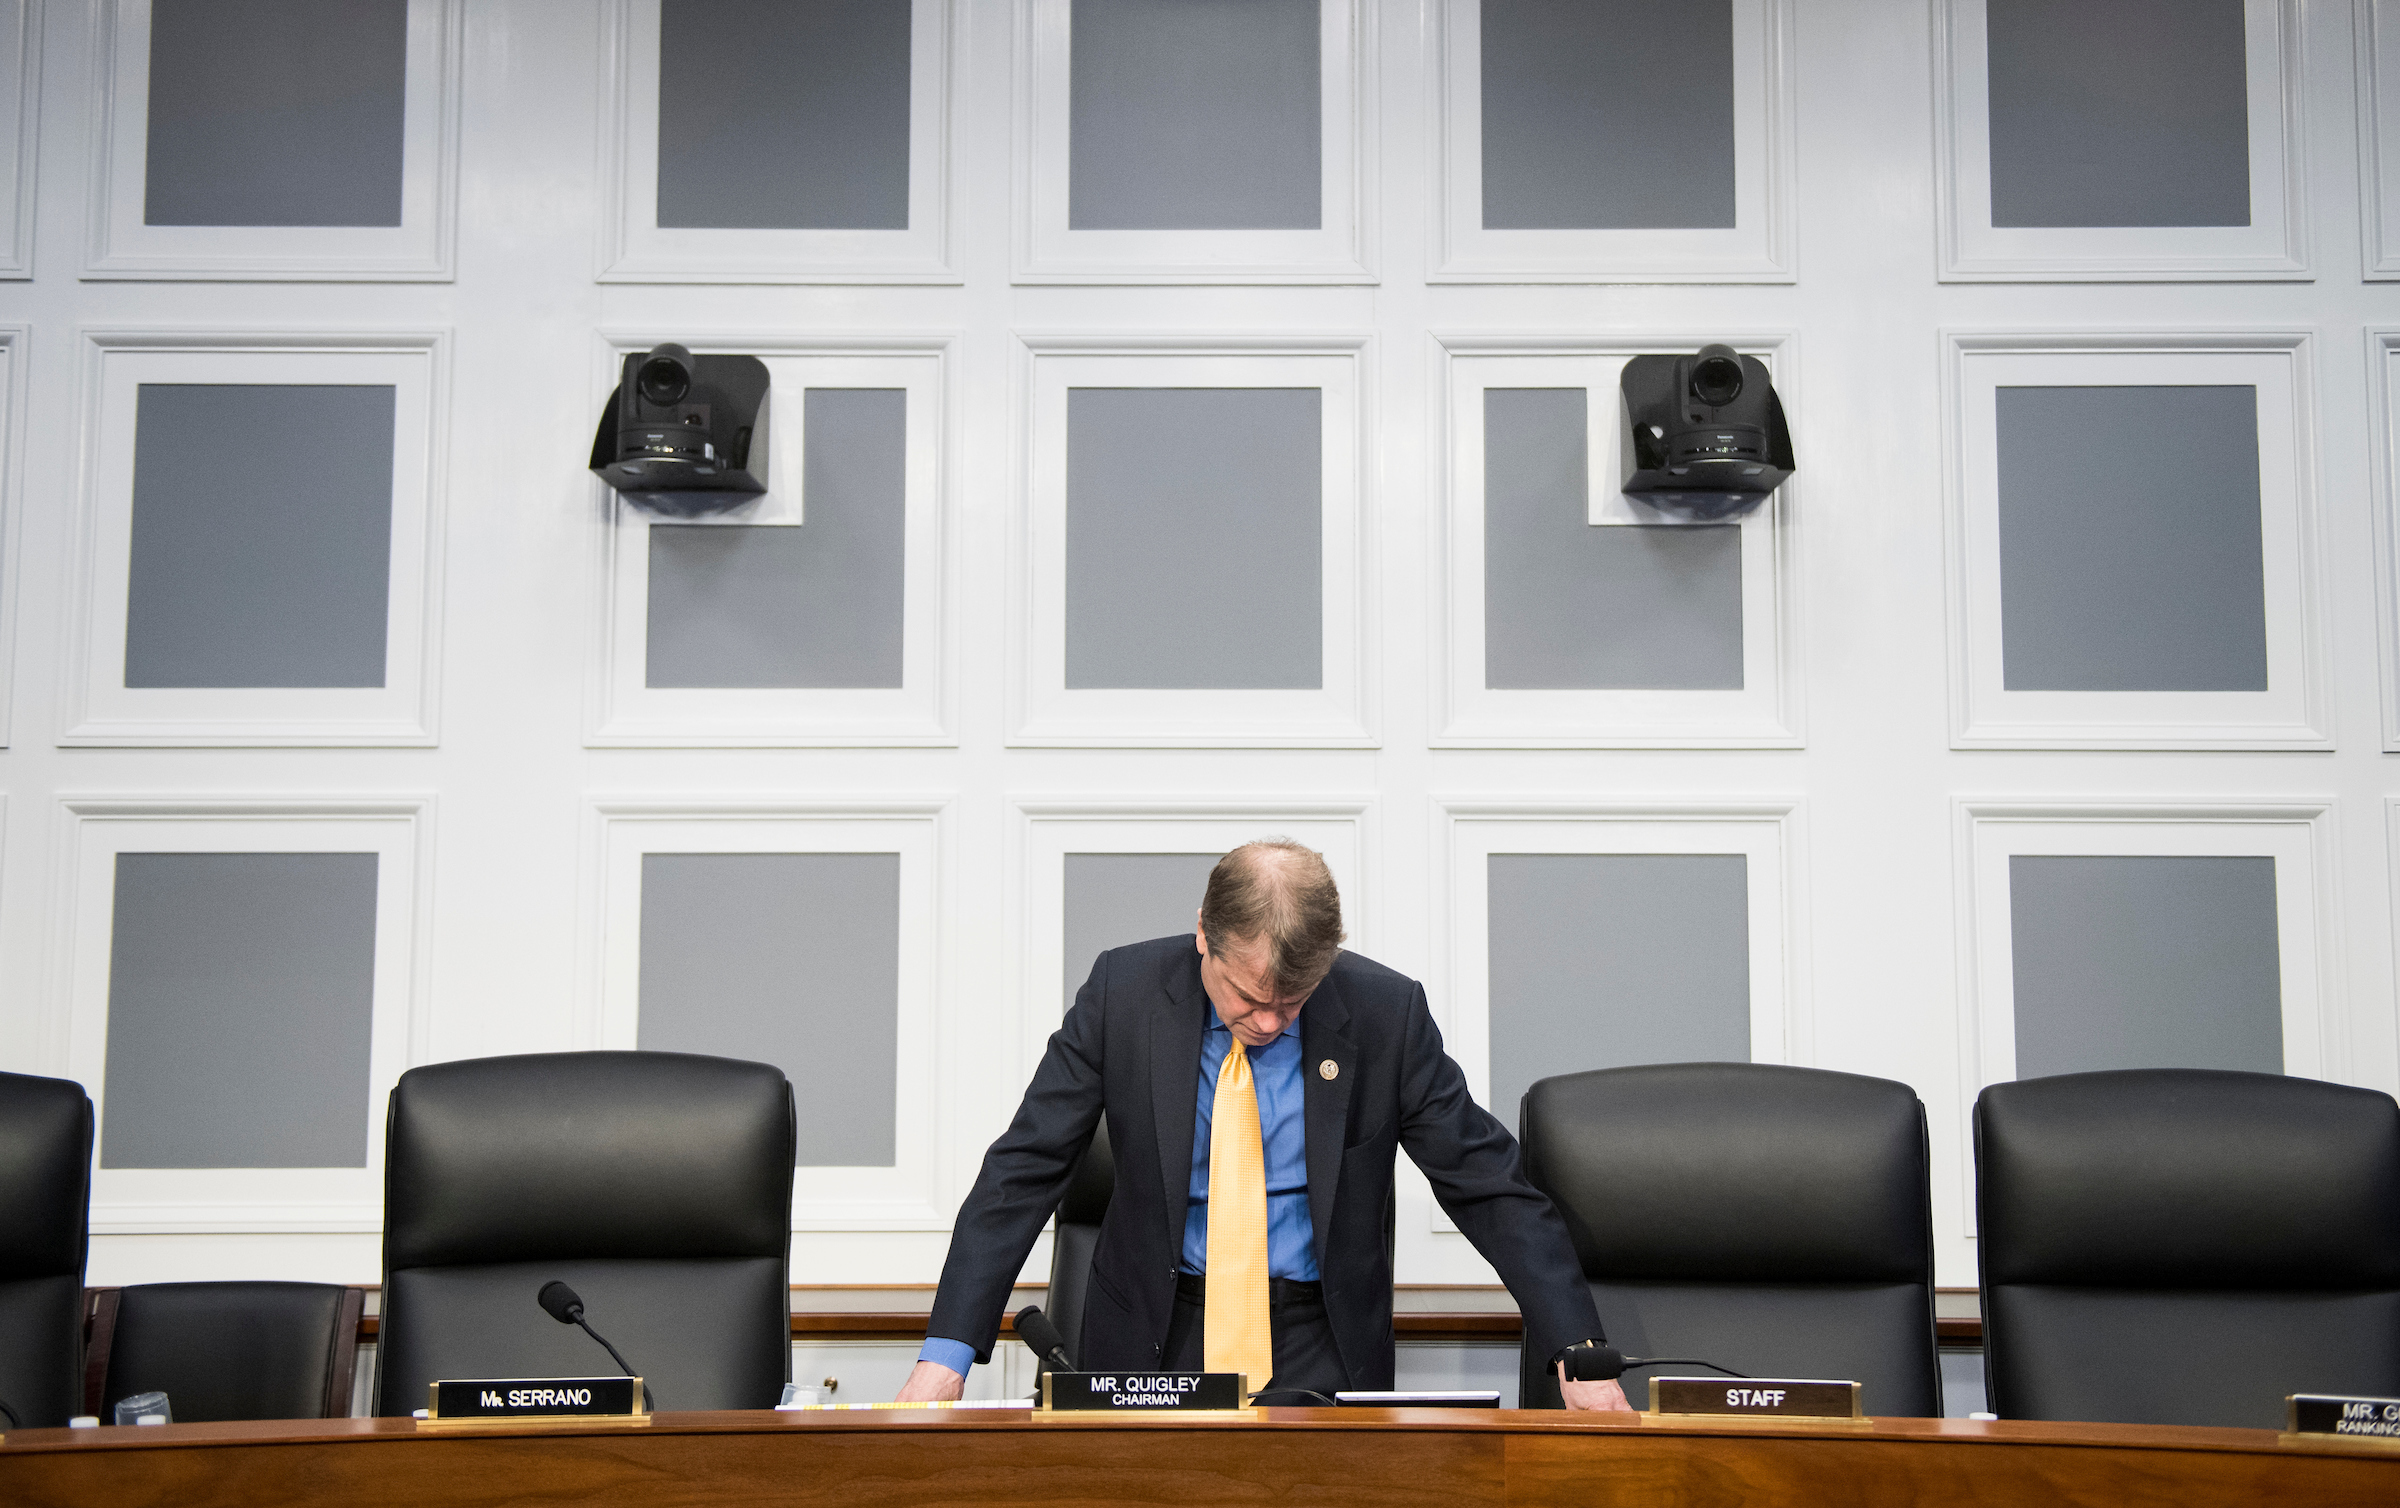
1278 895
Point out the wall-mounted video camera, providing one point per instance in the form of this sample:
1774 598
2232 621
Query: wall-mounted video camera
1704 435
685 435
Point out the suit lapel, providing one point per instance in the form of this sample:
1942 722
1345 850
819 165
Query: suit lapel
1326 1101
1175 1090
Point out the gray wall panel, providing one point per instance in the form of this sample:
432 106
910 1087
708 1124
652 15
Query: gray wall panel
241 994
2118 112
262 536
783 114
1117 898
1567 606
1607 114
1606 960
1195 538
1195 115
821 605
2130 551
276 112
2145 963
791 959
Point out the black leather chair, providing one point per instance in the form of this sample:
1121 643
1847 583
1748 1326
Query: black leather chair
1772 1220
45 1212
254 1350
1076 1237
2185 1246
658 1184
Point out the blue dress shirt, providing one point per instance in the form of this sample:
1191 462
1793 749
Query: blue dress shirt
1282 1127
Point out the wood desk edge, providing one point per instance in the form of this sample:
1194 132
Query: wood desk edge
23 1443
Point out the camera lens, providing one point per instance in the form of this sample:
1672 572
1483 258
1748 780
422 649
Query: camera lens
664 382
666 377
1717 376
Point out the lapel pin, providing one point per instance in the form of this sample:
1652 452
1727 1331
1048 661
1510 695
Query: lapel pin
1329 1070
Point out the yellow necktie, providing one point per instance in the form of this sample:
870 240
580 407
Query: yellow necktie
1237 1335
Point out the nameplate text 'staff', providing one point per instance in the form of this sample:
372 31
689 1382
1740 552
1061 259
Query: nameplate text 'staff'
1755 1397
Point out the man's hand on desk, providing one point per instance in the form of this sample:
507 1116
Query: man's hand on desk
1605 1396
931 1382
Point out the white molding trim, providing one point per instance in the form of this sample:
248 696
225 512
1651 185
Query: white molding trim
1341 250
422 248
15 342
1761 247
2383 413
624 712
2353 1055
1766 713
32 1051
1041 712
1343 827
2296 712
97 710
21 86
1785 1031
1972 250
2317 1041
635 249
914 1194
1782 1021
189 1200
2376 43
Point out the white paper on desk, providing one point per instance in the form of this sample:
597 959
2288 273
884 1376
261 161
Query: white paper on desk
962 1403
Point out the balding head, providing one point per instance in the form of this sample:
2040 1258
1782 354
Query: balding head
1275 898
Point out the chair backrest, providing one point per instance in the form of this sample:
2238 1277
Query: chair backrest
1077 1236
2186 1246
1777 1221
45 1212
253 1350
659 1185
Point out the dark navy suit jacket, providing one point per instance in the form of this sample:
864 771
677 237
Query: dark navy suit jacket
1130 1048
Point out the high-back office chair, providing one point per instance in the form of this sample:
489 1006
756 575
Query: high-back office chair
658 1184
253 1350
1077 1236
2184 1246
45 1210
1773 1220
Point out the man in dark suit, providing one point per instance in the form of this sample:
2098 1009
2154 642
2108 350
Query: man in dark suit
1259 1083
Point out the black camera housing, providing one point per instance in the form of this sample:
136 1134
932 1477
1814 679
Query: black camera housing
1704 434
685 435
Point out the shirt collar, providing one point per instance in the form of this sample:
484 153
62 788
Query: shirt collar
1216 1023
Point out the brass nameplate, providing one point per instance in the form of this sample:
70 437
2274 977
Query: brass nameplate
1754 1398
2320 1416
495 1398
1143 1392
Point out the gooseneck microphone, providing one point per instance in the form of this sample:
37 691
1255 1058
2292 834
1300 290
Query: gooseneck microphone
1034 1328
567 1308
13 1421
1598 1361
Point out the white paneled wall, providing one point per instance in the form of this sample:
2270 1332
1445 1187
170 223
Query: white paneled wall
1876 770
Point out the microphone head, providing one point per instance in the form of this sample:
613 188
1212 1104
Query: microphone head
561 1301
1595 1363
1035 1329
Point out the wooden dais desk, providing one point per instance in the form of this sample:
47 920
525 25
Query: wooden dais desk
1323 1456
